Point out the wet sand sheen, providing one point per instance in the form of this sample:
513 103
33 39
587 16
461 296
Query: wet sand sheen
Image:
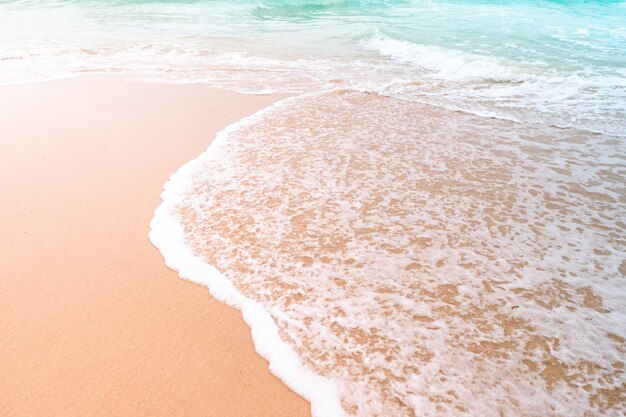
91 321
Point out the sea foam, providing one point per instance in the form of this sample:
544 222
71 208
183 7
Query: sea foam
409 260
167 235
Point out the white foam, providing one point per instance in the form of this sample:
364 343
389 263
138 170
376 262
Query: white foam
167 235
423 267
446 63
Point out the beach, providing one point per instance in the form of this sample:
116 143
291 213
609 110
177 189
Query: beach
92 322
337 209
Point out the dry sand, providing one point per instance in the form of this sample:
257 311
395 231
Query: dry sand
91 321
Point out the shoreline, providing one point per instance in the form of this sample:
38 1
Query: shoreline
93 322
167 234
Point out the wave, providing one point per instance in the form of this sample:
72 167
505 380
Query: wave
505 89
372 242
446 63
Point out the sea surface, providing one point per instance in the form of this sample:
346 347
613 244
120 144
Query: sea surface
434 224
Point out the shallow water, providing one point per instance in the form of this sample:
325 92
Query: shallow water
430 262
553 62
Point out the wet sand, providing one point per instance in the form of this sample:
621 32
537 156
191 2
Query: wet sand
91 321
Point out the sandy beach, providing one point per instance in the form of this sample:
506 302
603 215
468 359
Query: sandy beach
322 208
91 321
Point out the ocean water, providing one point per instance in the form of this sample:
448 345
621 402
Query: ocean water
554 62
433 225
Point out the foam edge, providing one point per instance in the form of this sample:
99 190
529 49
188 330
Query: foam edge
167 235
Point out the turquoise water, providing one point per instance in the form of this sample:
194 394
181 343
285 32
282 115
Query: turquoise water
554 62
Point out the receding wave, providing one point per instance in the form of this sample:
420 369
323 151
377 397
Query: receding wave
419 261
